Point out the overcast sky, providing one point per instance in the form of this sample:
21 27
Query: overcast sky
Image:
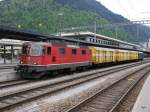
131 9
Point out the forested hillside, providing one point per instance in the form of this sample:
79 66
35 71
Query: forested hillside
51 16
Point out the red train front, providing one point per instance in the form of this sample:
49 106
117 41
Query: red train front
40 58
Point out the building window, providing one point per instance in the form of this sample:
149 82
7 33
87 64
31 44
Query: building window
74 51
93 40
89 39
99 41
102 42
62 50
110 42
96 41
106 42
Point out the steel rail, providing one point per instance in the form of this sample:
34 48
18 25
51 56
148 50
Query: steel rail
106 93
12 83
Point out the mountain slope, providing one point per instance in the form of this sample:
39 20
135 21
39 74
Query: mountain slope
50 16
94 6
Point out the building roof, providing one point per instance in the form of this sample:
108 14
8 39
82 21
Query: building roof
19 34
97 36
11 42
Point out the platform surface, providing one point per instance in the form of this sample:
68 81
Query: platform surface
143 101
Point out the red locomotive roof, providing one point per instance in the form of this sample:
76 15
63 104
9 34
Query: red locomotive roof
55 43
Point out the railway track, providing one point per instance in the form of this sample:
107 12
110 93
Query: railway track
30 91
109 98
12 83
22 82
41 83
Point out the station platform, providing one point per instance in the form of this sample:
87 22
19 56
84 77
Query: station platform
7 73
142 103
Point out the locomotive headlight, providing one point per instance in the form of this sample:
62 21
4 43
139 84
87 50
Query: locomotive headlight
35 63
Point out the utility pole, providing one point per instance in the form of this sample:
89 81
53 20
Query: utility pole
95 29
95 25
137 32
116 32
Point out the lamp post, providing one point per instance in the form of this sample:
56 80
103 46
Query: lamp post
137 32
95 25
60 23
40 24
19 26
116 32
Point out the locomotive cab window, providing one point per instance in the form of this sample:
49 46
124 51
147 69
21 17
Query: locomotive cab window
62 51
49 50
25 50
74 51
36 50
43 51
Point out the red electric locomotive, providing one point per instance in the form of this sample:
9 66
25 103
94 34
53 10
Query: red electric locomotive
40 58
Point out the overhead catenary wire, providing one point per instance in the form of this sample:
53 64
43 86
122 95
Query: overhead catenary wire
108 25
133 9
131 5
123 8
